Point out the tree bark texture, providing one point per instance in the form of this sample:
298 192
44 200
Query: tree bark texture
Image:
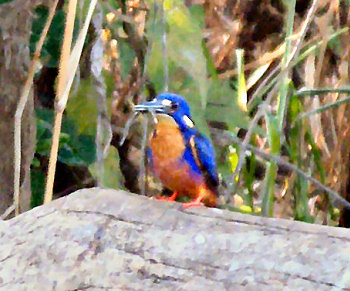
99 239
15 28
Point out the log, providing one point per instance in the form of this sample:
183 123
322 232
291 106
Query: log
102 239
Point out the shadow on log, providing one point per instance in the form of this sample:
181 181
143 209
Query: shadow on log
98 239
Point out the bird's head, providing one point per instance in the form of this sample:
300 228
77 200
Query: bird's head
167 107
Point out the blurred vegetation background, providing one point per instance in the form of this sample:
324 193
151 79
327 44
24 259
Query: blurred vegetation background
244 67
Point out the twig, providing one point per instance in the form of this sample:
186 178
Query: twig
126 128
323 108
319 91
20 108
137 42
103 129
230 137
8 212
165 50
143 164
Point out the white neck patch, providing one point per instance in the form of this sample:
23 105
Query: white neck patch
189 123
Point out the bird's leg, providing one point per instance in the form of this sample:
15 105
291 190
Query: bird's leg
194 203
171 198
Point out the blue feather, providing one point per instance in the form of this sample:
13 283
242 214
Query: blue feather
206 158
199 153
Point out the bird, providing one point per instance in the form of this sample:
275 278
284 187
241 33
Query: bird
181 157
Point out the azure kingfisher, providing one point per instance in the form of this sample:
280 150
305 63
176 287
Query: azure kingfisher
180 156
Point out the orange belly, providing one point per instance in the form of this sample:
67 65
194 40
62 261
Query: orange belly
167 149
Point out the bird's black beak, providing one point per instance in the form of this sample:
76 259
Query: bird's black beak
154 106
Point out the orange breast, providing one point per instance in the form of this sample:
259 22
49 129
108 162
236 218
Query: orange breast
168 146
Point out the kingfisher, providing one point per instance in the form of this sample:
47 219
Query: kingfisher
181 157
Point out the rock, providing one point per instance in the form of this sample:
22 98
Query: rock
100 239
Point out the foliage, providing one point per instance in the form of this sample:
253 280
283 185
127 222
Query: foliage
200 47
51 50
75 149
5 1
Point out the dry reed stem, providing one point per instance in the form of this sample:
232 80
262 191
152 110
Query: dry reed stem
62 81
7 212
20 108
71 66
75 55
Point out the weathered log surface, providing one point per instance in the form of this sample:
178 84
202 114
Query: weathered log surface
99 239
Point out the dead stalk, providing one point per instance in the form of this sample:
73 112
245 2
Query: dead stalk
20 108
68 67
62 81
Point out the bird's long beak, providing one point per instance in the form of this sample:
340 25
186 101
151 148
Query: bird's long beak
153 106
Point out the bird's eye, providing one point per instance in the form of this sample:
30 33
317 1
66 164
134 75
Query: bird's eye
174 106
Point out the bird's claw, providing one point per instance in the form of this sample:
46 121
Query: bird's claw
165 198
190 204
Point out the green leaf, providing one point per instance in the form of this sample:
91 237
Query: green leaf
271 172
300 185
223 105
233 158
184 44
52 47
127 56
272 124
112 175
242 88
37 186
82 108
74 148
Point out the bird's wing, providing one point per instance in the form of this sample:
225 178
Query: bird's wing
149 157
204 155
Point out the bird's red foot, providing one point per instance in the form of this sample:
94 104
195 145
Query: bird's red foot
195 203
171 198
